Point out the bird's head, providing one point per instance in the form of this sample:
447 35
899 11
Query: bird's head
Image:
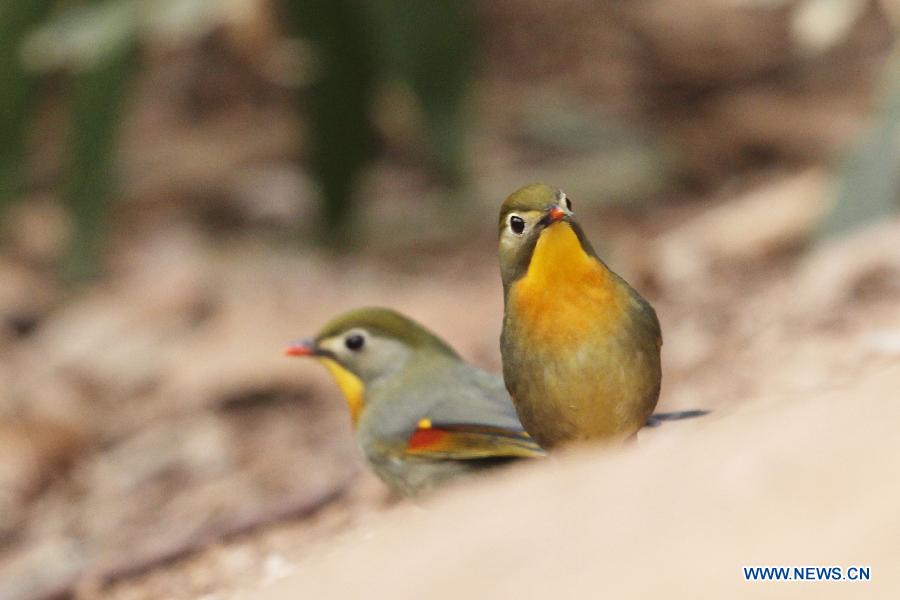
524 217
365 345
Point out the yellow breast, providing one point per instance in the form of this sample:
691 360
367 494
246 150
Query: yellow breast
566 294
351 386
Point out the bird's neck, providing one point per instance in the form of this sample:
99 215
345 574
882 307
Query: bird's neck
566 292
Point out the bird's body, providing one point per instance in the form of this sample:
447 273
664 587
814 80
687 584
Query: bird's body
580 347
422 415
404 446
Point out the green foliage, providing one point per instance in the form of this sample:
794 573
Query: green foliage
868 186
82 36
361 45
98 100
95 42
343 137
16 90
428 45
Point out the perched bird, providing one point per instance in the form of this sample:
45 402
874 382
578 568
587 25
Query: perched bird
580 347
421 415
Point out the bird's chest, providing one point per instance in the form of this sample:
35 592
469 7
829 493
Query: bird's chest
564 322
565 300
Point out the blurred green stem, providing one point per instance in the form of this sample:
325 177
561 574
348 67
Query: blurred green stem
359 45
343 138
16 91
868 186
430 46
98 102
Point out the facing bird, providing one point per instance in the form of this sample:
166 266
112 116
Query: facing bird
422 416
580 347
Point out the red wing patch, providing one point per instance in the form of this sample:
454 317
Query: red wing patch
425 438
468 442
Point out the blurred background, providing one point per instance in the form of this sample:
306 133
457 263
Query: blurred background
186 185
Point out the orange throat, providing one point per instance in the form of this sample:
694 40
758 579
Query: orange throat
566 294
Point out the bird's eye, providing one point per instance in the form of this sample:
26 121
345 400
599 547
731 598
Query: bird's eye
354 342
517 224
568 203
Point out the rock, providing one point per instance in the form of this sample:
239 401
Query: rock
763 221
797 481
32 452
42 570
840 270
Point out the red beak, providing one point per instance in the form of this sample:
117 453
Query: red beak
301 348
555 214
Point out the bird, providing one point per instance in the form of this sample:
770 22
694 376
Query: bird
580 347
421 415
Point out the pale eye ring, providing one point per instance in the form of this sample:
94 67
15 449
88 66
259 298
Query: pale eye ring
517 224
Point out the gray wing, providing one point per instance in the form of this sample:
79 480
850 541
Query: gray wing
448 409
473 396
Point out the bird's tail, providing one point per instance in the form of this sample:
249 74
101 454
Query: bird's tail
658 419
